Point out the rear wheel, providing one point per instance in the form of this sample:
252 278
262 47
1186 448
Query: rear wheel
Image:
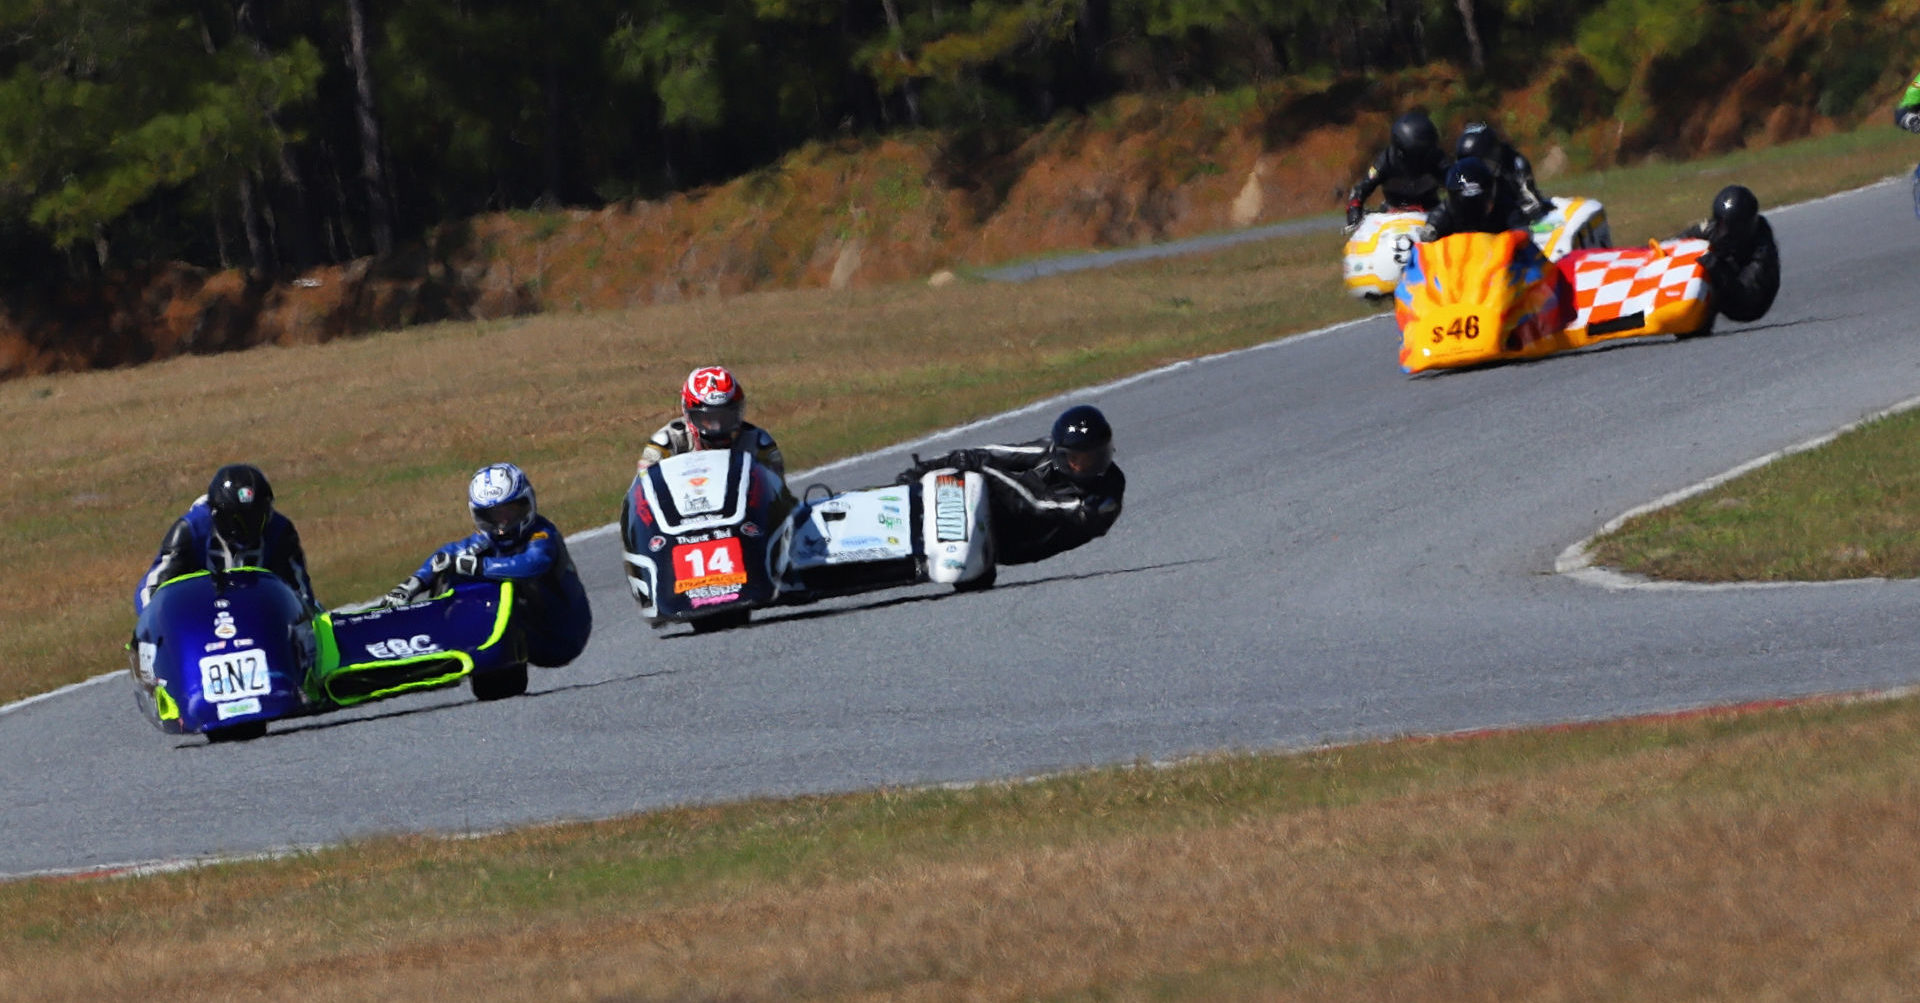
722 621
237 733
500 683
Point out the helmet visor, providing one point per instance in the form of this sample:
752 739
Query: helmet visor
1084 464
505 519
243 527
714 425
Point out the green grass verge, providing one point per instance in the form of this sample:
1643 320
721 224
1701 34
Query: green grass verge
1848 509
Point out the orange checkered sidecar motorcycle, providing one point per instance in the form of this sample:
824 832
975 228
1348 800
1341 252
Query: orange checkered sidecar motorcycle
1475 298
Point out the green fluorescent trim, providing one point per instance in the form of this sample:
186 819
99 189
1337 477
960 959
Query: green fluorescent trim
326 657
203 574
163 703
501 616
466 667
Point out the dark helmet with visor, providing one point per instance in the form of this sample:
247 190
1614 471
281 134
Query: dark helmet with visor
1415 137
242 502
1082 443
1480 141
1734 211
1470 186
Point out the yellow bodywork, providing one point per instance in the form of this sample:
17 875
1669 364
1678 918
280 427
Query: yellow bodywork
1473 298
1458 289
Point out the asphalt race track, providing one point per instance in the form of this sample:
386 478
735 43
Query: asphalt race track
1315 548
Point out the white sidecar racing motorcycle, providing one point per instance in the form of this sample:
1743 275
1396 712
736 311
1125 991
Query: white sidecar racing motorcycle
1379 248
712 535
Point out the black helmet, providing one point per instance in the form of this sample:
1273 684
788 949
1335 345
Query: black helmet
1482 142
1470 187
1415 137
242 502
1082 443
1734 211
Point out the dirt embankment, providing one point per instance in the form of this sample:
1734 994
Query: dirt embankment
836 215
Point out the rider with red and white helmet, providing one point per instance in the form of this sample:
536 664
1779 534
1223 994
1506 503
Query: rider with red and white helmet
712 409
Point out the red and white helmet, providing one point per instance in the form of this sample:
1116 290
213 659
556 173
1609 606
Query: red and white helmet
714 405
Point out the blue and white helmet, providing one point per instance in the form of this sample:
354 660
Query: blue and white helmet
501 498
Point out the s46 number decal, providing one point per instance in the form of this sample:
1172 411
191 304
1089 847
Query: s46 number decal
1461 328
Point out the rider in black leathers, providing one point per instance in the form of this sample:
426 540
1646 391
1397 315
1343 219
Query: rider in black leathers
1512 171
1408 172
1476 203
1742 262
1047 496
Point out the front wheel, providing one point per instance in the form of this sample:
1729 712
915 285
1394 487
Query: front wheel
980 584
237 733
500 683
721 621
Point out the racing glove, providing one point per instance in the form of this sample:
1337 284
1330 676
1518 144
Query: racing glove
403 593
1910 120
1354 213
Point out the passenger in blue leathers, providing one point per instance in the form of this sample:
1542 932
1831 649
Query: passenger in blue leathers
513 543
233 525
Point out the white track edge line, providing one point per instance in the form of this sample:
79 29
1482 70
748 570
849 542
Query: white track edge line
1576 561
612 527
1593 576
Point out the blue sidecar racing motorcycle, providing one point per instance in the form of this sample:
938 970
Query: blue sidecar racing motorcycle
712 535
223 653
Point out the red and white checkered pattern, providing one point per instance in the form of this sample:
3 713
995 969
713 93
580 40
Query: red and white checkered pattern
1617 282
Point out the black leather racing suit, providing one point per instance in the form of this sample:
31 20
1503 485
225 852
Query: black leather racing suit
1037 510
1455 216
1745 273
1402 182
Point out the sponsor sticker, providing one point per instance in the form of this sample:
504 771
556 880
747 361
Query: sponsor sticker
216 645
147 654
713 595
223 624
403 647
656 543
749 529
235 708
949 508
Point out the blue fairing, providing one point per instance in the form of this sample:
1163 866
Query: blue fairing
1410 276
226 648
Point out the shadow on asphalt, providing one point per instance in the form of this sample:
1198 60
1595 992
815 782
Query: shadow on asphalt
319 722
942 595
1720 334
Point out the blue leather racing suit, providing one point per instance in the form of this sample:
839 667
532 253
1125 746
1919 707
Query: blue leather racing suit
558 618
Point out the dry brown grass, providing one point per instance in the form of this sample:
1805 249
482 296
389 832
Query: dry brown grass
368 442
1765 857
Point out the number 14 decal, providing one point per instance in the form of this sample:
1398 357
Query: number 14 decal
713 559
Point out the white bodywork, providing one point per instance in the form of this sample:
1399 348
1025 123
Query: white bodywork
1379 248
1378 251
954 530
697 484
876 525
1574 223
